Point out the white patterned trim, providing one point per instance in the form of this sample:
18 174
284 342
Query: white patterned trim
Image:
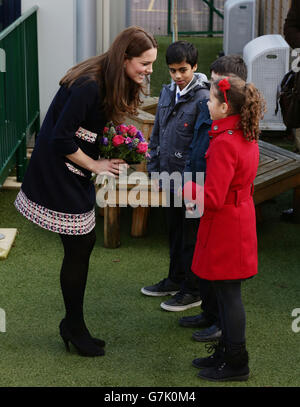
59 222
75 170
86 135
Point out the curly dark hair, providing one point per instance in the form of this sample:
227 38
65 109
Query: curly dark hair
246 100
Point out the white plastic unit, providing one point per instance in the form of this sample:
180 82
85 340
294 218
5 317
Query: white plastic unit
267 60
239 25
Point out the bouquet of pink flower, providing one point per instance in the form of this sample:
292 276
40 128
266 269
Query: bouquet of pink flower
124 142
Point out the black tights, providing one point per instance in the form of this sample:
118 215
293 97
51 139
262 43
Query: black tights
73 276
231 311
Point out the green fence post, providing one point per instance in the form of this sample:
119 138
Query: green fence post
211 19
19 92
169 16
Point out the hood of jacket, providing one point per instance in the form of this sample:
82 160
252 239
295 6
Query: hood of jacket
200 79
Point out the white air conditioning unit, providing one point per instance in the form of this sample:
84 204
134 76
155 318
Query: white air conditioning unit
267 60
239 25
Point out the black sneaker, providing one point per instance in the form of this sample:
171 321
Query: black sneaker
181 301
195 321
213 333
164 287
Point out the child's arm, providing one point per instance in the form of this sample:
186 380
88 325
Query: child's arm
153 162
199 145
220 171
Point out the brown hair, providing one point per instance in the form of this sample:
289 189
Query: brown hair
121 94
246 100
230 64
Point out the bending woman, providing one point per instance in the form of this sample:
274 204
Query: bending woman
57 193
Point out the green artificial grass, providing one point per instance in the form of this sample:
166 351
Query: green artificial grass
208 51
145 345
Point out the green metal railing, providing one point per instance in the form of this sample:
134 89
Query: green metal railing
19 92
213 11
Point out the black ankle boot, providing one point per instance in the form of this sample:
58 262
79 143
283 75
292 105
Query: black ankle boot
232 366
213 359
84 343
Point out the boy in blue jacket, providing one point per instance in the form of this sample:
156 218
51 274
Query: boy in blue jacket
169 144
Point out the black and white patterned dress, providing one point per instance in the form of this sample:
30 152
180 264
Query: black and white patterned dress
57 194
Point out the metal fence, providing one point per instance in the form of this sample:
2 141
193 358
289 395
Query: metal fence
19 92
194 17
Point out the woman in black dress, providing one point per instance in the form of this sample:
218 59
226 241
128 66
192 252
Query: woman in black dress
57 192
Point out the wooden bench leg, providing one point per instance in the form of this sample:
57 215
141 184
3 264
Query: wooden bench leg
111 227
296 204
139 221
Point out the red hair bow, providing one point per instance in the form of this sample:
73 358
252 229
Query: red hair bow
224 85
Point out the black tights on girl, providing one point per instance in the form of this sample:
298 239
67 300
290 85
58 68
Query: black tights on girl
231 310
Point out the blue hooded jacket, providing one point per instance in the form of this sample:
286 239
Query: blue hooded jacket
195 160
173 129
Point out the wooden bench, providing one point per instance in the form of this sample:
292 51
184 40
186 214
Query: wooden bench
278 171
124 193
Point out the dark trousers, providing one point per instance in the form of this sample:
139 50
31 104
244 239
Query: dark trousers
231 310
182 239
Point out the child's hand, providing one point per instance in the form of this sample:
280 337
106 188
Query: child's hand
190 206
155 185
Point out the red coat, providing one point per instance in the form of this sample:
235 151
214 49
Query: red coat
226 245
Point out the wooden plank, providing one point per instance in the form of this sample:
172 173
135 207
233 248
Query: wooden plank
265 147
11 183
272 166
139 221
283 167
264 159
111 227
279 174
7 242
150 104
275 188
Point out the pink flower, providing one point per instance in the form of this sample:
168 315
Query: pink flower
132 130
105 130
128 140
122 128
118 140
142 148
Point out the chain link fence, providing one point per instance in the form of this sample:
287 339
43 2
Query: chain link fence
194 16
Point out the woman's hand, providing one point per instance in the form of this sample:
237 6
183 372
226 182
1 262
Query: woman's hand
113 166
102 166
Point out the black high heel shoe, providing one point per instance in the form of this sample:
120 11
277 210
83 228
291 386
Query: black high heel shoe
99 342
84 344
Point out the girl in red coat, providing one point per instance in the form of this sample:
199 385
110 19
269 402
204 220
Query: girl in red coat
226 248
